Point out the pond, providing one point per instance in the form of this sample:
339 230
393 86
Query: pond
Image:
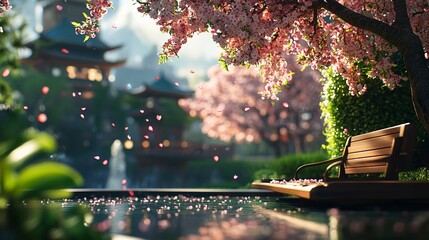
246 214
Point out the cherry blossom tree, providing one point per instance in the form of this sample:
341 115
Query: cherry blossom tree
232 110
337 33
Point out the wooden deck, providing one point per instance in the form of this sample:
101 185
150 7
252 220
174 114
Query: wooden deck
352 190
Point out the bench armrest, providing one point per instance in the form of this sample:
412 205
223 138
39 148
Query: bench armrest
325 174
333 160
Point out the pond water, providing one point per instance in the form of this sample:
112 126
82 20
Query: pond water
249 215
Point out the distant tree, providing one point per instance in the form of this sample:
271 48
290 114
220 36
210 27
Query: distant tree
231 109
42 93
11 37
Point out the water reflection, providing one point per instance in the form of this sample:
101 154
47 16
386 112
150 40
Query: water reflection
252 217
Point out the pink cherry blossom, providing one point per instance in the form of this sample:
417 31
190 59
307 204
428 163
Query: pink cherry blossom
232 110
321 33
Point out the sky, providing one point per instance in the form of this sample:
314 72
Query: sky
196 56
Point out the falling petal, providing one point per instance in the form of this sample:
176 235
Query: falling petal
235 177
5 72
83 108
345 131
105 162
216 158
176 83
59 7
97 157
147 120
150 128
141 111
192 71
146 136
129 137
79 93
113 125
124 181
161 145
73 94
42 118
45 90
156 77
114 26
246 109
285 104
158 117
65 51
25 107
82 116
126 128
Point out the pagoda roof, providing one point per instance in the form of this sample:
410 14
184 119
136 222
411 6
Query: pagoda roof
63 45
162 88
73 55
64 33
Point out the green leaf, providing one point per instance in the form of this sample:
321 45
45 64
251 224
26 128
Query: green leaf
163 59
223 64
86 38
76 24
41 178
37 143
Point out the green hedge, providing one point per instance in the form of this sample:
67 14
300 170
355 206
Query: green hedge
247 171
284 167
210 174
378 108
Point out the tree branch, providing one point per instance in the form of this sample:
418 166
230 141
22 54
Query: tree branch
358 20
401 17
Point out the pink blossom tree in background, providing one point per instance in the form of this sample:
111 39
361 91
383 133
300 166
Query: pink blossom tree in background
232 110
336 33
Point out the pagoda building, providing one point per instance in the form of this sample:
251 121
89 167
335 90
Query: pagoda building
60 52
160 97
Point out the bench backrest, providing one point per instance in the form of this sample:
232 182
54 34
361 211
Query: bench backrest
373 152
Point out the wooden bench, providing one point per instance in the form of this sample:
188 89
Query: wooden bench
385 152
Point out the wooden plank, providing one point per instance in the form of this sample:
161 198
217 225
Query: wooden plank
369 153
409 142
368 161
355 191
290 189
388 131
366 169
369 144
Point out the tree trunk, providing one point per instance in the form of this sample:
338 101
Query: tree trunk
400 35
411 50
299 143
276 147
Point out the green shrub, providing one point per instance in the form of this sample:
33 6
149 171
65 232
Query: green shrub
284 167
378 108
421 174
209 174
